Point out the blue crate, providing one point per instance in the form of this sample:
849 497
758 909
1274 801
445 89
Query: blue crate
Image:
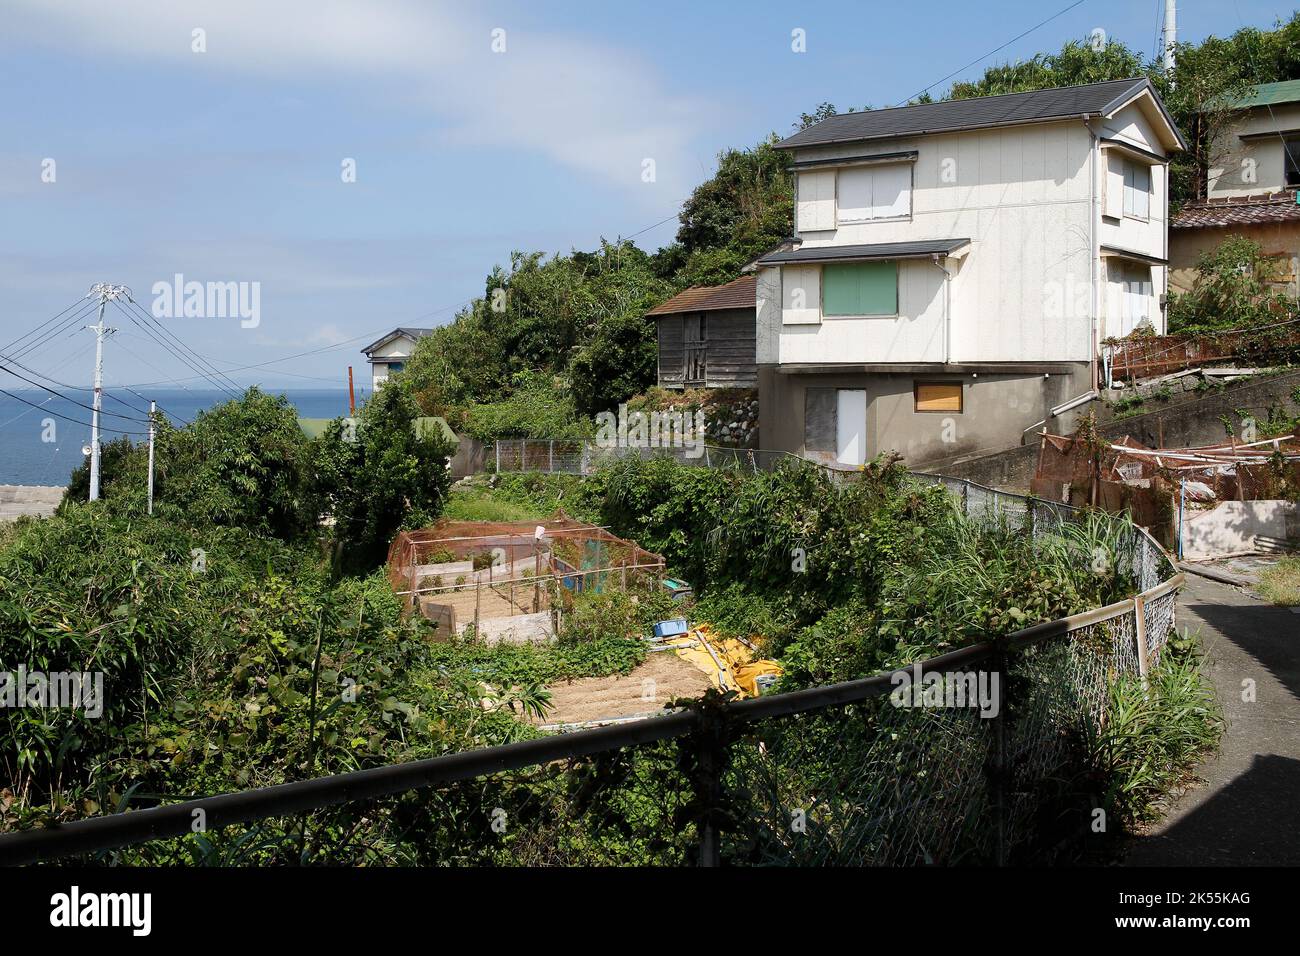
671 628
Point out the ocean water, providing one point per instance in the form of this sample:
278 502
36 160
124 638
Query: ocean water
38 447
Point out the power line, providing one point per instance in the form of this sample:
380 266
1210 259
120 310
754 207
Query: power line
974 62
204 364
179 354
19 398
75 388
82 303
72 401
67 326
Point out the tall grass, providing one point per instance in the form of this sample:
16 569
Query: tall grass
1155 735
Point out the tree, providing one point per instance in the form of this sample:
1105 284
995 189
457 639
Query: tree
820 112
243 463
1076 63
746 208
113 457
375 478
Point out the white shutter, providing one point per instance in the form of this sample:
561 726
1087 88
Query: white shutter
1114 191
1141 190
853 198
817 200
801 295
892 191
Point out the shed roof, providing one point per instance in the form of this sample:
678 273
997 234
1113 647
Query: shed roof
982 112
737 294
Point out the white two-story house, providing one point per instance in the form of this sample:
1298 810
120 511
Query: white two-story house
1251 186
389 354
957 266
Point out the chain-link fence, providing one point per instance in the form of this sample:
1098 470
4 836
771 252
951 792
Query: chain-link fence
981 755
576 457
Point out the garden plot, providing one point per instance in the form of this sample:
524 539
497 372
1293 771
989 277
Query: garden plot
511 581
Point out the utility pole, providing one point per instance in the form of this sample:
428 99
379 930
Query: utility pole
152 411
1170 38
105 292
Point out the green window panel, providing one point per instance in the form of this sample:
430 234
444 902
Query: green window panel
860 288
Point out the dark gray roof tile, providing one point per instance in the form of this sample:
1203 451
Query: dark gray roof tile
1009 109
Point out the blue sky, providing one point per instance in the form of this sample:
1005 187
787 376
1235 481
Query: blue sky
225 165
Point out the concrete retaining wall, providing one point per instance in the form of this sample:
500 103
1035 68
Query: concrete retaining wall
1240 527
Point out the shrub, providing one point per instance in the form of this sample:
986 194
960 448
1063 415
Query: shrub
374 482
1235 287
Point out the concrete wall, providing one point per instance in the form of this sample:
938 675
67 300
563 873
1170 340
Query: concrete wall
1240 527
1280 240
35 500
996 408
1194 419
470 458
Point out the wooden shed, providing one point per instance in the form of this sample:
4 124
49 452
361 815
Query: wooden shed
706 337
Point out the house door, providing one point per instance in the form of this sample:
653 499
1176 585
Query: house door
851 426
694 341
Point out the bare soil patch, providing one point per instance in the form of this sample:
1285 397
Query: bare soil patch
662 677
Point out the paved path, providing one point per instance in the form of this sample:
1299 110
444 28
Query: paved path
17 500
1247 812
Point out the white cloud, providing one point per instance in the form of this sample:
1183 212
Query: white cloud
580 102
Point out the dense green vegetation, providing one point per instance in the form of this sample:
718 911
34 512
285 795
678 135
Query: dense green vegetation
235 655
1235 287
1156 733
247 638
841 580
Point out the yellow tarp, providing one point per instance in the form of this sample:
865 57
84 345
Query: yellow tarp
730 666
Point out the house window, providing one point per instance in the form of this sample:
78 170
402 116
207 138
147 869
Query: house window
937 396
1137 190
396 366
860 288
801 295
1291 159
873 192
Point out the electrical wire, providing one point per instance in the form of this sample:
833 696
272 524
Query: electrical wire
178 354
203 364
102 428
978 60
